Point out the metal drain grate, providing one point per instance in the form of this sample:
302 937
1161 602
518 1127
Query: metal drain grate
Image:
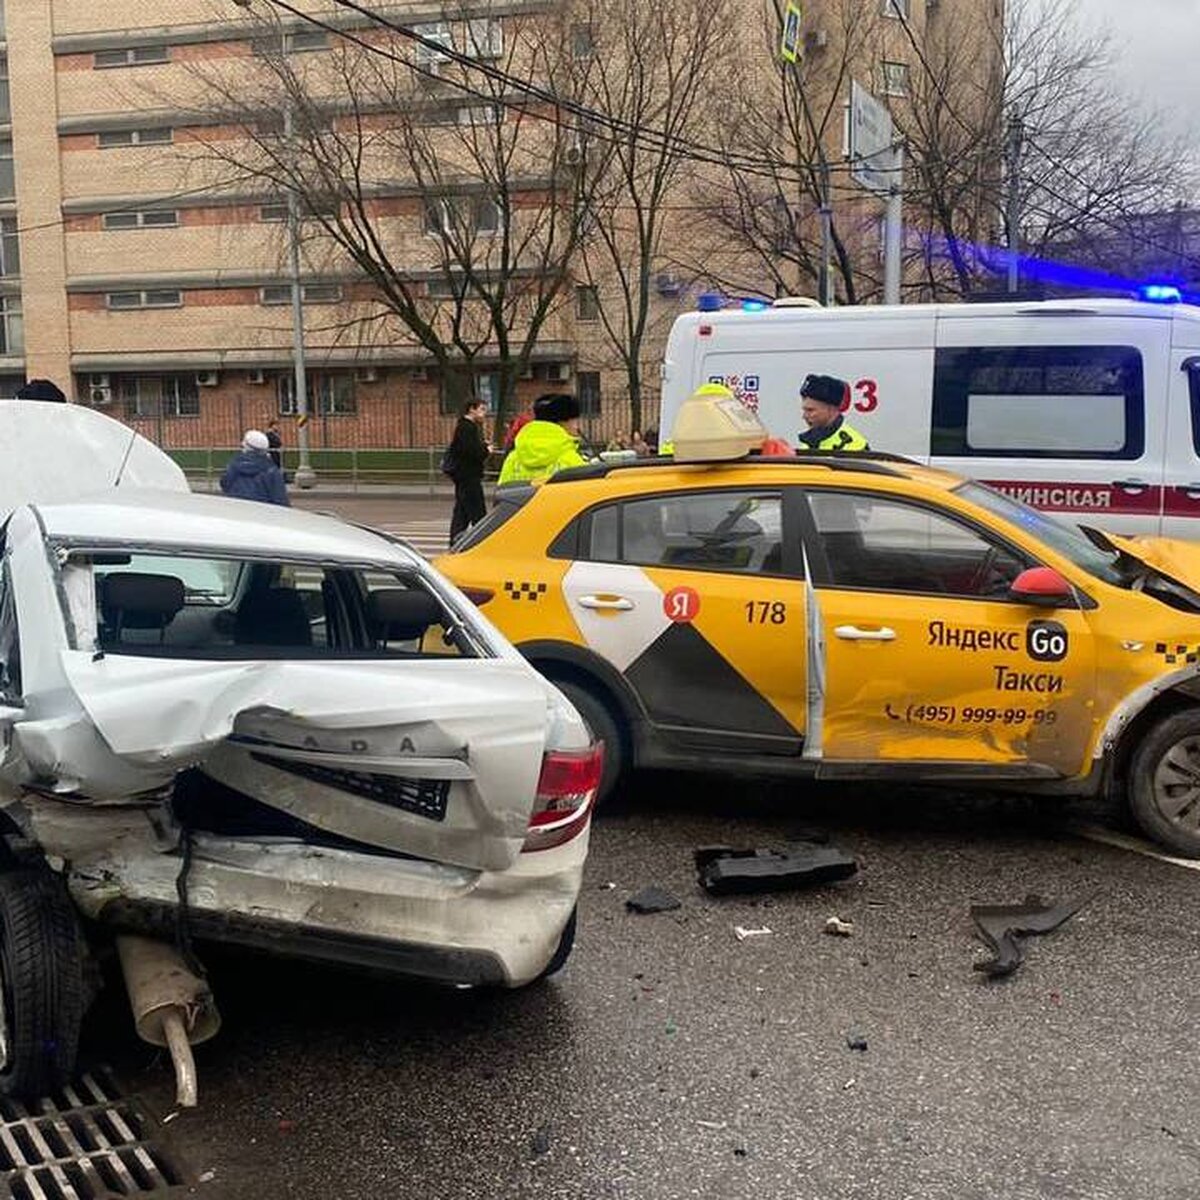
87 1142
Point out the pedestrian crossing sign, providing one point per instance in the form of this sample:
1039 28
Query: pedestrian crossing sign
789 48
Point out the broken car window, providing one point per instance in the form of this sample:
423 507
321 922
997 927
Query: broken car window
204 607
10 642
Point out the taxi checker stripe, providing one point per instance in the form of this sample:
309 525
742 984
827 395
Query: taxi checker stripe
525 590
1178 652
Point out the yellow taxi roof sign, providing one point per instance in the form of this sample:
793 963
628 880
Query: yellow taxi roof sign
713 425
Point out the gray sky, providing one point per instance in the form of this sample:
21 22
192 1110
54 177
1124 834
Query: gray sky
1156 46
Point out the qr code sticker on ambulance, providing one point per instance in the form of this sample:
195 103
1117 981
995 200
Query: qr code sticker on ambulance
744 387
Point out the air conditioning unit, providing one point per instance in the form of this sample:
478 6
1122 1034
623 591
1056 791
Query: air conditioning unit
558 372
100 381
258 376
367 374
207 378
419 375
667 284
816 39
100 397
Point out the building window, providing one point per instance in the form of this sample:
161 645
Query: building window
180 396
437 32
589 393
587 303
10 247
296 42
273 212
481 114
158 218
156 298
5 105
1039 402
896 8
310 293
110 139
330 394
894 79
8 182
462 216
583 41
485 38
132 56
12 326
159 395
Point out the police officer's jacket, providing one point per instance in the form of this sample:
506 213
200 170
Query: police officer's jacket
838 436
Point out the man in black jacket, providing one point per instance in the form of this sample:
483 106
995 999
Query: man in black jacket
465 459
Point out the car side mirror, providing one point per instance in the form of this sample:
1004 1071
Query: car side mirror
1043 586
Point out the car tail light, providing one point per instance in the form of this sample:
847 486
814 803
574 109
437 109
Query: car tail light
565 792
477 595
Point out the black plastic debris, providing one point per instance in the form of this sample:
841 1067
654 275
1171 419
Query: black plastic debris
1002 927
724 871
652 899
540 1142
856 1041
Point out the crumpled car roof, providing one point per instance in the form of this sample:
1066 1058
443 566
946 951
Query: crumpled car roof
175 520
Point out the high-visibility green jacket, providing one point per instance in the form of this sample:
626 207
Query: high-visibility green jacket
540 449
839 436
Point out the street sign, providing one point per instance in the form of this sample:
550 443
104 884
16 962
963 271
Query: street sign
789 48
874 157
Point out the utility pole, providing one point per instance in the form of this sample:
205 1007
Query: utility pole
823 289
305 475
1013 144
893 238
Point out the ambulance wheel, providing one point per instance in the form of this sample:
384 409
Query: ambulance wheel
1164 783
42 995
604 727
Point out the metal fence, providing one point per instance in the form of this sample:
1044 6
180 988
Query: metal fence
413 469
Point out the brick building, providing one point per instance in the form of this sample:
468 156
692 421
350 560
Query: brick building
148 281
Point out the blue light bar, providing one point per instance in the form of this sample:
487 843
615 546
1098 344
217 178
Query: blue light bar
754 306
1161 293
710 302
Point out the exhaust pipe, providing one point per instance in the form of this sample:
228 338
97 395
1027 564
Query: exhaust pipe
171 1007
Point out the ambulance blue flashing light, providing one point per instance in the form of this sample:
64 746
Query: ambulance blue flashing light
754 306
1160 293
710 302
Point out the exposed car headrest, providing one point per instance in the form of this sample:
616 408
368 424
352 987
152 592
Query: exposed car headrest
401 614
134 600
273 617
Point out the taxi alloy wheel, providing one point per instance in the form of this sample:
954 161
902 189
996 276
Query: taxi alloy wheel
604 728
1164 785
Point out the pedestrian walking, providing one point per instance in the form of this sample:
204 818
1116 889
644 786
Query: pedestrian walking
823 399
251 475
548 443
464 462
275 442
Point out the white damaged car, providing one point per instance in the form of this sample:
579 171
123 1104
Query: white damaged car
225 720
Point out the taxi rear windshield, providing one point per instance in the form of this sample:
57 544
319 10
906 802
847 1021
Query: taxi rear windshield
1068 540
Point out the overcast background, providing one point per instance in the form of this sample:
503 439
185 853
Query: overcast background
1156 45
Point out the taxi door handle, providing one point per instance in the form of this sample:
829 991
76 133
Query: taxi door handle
607 603
852 633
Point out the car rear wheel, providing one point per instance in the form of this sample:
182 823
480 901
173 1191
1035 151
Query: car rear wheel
42 995
1164 783
604 727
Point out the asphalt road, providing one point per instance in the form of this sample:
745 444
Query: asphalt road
670 1059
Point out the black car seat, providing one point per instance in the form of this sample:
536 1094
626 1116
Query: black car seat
273 617
133 600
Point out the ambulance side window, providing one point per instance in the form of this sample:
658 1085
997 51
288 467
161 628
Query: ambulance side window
1192 367
706 531
1082 402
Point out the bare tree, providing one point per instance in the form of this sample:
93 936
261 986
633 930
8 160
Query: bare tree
434 167
654 70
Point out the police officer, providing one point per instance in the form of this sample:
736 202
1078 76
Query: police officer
821 400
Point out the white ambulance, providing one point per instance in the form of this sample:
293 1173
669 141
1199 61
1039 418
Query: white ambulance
1089 408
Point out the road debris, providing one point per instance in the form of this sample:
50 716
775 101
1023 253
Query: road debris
652 899
836 927
725 871
540 1143
742 933
713 1124
856 1041
1002 926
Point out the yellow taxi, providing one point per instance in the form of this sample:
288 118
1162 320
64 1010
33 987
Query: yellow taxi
850 617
